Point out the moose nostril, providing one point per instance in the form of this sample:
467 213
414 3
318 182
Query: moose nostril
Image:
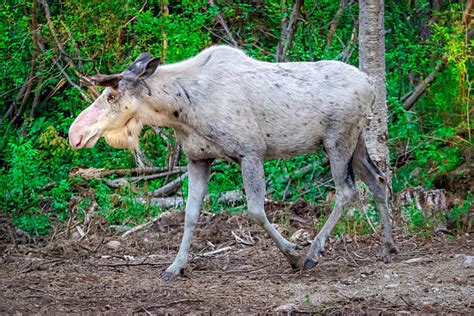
79 142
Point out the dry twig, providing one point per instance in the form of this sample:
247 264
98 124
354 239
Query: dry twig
170 188
186 300
215 252
287 32
222 22
147 224
410 98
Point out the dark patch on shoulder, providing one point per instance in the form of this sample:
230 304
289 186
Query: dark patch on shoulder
268 135
277 85
238 112
129 133
326 77
345 85
185 93
176 114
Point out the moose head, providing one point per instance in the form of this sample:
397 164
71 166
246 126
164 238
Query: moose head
115 115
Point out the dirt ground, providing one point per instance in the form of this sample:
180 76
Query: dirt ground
235 269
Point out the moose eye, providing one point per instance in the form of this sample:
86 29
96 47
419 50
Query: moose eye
111 98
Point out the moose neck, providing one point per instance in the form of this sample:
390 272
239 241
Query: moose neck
171 94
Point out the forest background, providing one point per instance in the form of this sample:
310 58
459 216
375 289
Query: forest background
45 46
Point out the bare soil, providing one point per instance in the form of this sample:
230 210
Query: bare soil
84 276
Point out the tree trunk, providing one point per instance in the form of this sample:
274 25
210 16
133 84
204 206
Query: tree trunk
372 62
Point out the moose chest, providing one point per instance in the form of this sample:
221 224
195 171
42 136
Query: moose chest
196 146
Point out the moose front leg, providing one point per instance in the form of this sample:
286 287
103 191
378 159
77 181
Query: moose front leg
198 179
254 184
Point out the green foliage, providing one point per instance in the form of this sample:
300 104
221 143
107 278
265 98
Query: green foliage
33 222
458 217
419 222
360 222
20 187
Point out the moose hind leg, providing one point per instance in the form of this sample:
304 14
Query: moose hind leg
254 185
346 193
371 175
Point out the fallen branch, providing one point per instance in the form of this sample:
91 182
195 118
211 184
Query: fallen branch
232 196
216 252
116 183
410 98
147 224
128 264
170 188
167 202
186 300
94 173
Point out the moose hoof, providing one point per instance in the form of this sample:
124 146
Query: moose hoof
309 264
296 263
384 256
385 252
166 276
393 249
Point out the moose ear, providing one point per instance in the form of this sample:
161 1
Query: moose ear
139 64
101 80
150 68
144 66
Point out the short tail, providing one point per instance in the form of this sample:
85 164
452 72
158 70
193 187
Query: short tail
363 165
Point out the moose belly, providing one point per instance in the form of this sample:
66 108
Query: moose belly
291 146
197 147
